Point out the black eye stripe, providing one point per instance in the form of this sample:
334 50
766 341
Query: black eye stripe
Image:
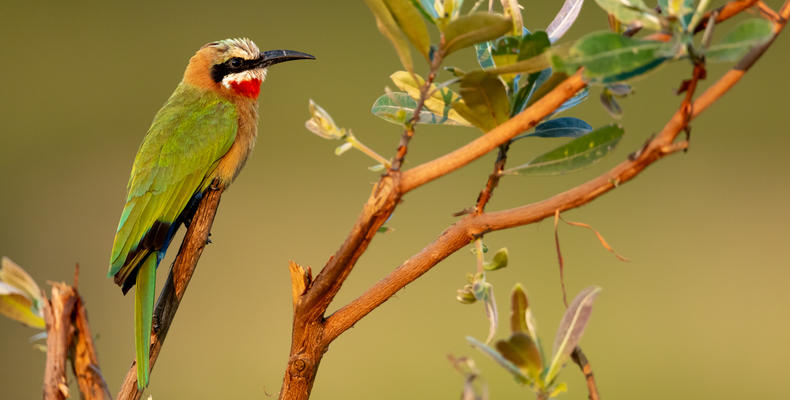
231 66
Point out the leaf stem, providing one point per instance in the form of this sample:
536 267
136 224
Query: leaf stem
368 151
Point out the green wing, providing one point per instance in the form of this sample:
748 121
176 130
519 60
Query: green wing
191 132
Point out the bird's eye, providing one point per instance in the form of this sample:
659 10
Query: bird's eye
235 62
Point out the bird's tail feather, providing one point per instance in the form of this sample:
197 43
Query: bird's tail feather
143 315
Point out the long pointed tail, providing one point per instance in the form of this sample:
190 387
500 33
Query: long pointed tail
143 315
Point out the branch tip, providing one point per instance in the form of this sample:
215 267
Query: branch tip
301 278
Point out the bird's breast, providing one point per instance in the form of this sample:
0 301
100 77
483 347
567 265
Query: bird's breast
233 161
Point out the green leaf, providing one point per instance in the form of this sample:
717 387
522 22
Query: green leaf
485 97
747 35
398 108
411 23
610 57
571 329
389 28
442 101
630 11
611 105
525 92
467 30
578 153
560 127
518 310
579 97
533 44
527 350
509 366
498 262
484 55
505 50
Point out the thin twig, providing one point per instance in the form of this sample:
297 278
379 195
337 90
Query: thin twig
408 133
725 12
581 360
560 259
176 284
493 180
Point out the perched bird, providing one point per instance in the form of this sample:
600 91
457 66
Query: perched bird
201 136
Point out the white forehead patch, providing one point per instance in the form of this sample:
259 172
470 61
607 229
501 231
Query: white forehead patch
257 73
241 47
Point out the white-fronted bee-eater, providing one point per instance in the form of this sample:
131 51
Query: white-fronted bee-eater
201 136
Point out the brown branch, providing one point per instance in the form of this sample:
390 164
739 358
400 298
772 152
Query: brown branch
408 133
312 332
57 314
581 360
176 284
725 12
312 300
493 180
475 149
463 232
69 338
84 361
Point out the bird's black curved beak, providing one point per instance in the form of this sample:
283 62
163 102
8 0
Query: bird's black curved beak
271 57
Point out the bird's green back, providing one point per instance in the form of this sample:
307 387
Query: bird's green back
189 134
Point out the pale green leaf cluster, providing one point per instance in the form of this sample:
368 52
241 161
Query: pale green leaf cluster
20 297
521 353
322 124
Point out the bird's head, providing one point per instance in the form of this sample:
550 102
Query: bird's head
235 66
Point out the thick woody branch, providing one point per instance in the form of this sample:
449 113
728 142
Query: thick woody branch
84 360
463 232
69 337
176 284
57 314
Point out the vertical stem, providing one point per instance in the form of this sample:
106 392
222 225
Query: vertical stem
592 388
408 133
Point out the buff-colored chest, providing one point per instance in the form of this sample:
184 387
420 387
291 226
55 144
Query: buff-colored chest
233 161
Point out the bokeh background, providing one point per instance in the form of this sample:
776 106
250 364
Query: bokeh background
699 312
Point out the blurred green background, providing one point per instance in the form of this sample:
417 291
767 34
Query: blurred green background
699 312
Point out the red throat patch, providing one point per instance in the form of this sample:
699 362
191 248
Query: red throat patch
250 88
